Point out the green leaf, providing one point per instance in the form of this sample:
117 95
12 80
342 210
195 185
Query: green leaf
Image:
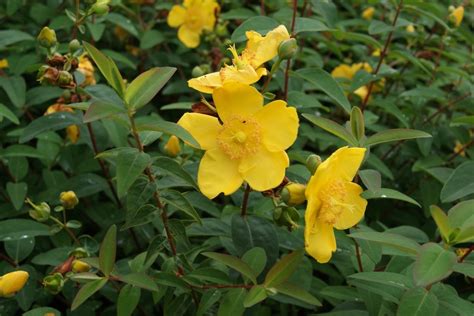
450 302
325 82
128 299
9 37
108 251
130 165
173 167
141 280
17 193
401 243
418 302
178 200
459 184
461 219
260 24
14 229
86 291
412 59
412 8
50 122
385 193
256 294
332 127
144 87
371 179
235 263
463 120
388 284
433 264
107 67
256 258
284 268
19 249
171 129
41 311
122 22
15 87
379 27
357 123
465 268
232 303
21 151
209 298
237 14
442 221
309 25
99 110
151 38
358 37
6 112
392 135
298 293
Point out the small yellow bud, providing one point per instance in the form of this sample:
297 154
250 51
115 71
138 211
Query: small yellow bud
54 283
172 147
410 28
72 132
12 282
457 16
368 13
3 63
294 194
288 49
376 53
459 149
47 37
68 199
80 266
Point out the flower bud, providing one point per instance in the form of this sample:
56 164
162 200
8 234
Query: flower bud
312 163
221 30
80 266
54 283
99 8
293 193
12 282
39 212
410 28
277 213
65 78
288 49
368 13
457 16
68 199
79 253
172 147
47 37
74 45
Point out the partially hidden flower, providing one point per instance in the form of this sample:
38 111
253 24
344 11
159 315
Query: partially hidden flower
349 71
12 282
3 63
410 28
368 13
72 131
87 69
248 67
192 18
249 145
459 149
457 16
334 201
294 193
172 146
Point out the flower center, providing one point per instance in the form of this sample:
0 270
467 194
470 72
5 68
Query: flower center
333 198
239 137
194 17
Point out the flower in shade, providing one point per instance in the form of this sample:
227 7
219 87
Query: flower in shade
192 18
3 63
85 67
249 145
172 146
368 13
12 282
248 67
349 71
334 201
457 15
459 149
72 131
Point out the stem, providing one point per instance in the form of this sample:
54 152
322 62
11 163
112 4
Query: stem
382 57
245 201
8 260
156 196
288 62
359 260
462 149
63 225
262 7
274 69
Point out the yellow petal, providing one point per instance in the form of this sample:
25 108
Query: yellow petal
204 128
458 15
72 132
320 242
218 173
177 16
279 125
189 37
261 49
343 71
265 170
210 8
206 83
244 74
13 282
236 100
341 165
362 92
355 207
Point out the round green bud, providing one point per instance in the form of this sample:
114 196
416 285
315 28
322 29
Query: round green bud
100 8
288 49
54 283
74 45
312 163
47 37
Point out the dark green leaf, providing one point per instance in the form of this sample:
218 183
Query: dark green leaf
235 263
108 251
392 135
418 302
130 165
14 229
128 299
86 291
283 269
432 264
332 127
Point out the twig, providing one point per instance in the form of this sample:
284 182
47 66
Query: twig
458 152
245 201
359 260
288 61
382 57
262 7
8 260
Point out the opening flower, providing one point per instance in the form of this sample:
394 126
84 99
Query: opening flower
349 71
333 201
12 282
72 131
172 146
249 145
247 67
192 18
86 68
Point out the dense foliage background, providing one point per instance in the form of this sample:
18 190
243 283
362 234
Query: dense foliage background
136 236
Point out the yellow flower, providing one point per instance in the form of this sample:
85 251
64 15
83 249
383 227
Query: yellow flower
79 266
376 53
192 18
86 68
12 282
294 193
3 63
368 13
248 146
120 33
246 68
172 147
72 130
68 199
410 28
333 201
457 15
348 72
459 149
